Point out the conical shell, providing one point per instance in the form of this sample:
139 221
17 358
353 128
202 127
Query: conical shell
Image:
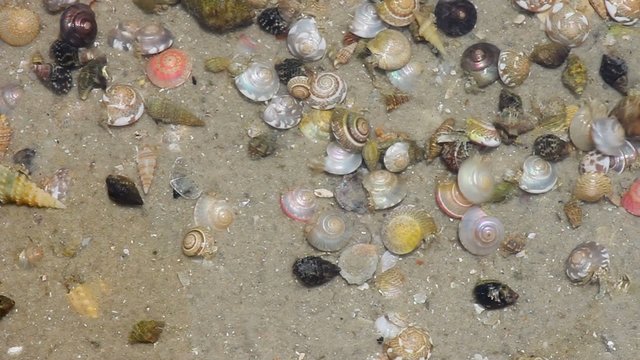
166 111
406 229
15 187
146 160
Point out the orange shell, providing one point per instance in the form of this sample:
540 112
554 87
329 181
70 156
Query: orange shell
631 199
169 69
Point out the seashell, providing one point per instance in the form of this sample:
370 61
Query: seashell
412 343
15 187
389 325
6 304
475 179
433 147
551 148
350 129
78 25
220 15
371 154
58 184
574 75
450 200
55 77
626 12
84 301
331 231
567 25
482 133
366 23
396 157
272 22
591 187
344 54
217 64
123 191
580 127
608 135
124 105
586 262
146 332
627 111
287 69
5 134
299 204
169 69
164 110
198 242
509 100
480 63
513 67
146 161
57 5
390 282
259 82
93 76
455 17
18 26
24 159
406 228
212 213
493 294
535 5
123 36
397 13
261 146
351 195
314 270
599 8
358 263
549 55
631 199
152 39
425 29
283 112
30 256
10 95
390 50
181 181
326 90
613 70
299 87
453 154
406 78
513 244
393 101
69 56
479 233
340 161
385 189
538 175
316 124
573 212
595 161
304 40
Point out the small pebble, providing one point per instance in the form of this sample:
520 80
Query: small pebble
518 20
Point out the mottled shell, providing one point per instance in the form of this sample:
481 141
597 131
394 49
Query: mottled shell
412 343
573 212
586 262
217 64
479 233
450 200
340 161
314 270
550 147
18 26
407 77
580 127
153 38
513 67
390 282
283 112
366 23
550 55
538 175
406 228
608 135
350 129
574 76
289 68
390 50
493 294
299 87
299 204
591 187
304 40
358 263
480 62
326 90
476 180
385 189
535 5
626 12
271 21
146 161
482 132
5 134
123 35
567 25
123 103
316 124
631 199
627 111
198 242
397 13
330 231
259 82
344 54
212 213
595 161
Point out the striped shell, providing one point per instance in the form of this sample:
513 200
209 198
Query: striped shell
198 242
326 90
591 187
482 132
5 134
350 129
412 343
299 87
567 25
450 199
212 213
390 282
513 67
406 228
586 262
397 13
283 112
146 160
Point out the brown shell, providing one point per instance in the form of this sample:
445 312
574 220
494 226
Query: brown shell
600 9
350 129
549 55
5 135
591 187
573 211
393 101
412 343
574 76
18 26
166 111
513 243
433 148
627 111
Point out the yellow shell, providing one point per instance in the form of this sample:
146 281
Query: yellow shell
371 154
15 187
83 298
316 124
164 110
5 134
412 343
18 26
390 282
574 76
405 230
428 30
591 187
482 132
390 50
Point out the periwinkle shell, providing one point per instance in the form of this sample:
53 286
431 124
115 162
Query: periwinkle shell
479 233
314 270
492 294
385 189
123 191
299 204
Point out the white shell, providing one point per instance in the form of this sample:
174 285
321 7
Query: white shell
535 5
385 189
366 23
580 127
406 78
124 105
283 112
153 38
259 82
479 233
608 135
299 204
305 41
475 180
340 161
389 325
567 26
596 162
331 231
585 260
327 89
538 175
626 12
358 263
212 213
397 158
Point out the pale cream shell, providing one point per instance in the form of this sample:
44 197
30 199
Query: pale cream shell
210 212
124 105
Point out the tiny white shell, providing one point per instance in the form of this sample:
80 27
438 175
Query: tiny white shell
283 112
538 175
259 82
366 23
304 41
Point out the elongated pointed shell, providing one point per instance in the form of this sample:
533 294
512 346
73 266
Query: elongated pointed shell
406 228
15 187
164 110
480 233
385 189
146 159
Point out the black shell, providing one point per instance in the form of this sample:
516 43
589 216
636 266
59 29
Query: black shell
509 99
78 25
613 71
551 148
60 80
455 17
549 55
65 54
123 190
314 270
492 294
6 304
92 76
289 68
272 22
25 158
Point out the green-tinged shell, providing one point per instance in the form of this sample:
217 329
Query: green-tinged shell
482 132
316 124
93 76
220 15
371 154
15 187
146 332
166 111
503 190
574 76
217 64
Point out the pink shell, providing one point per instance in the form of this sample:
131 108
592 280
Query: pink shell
631 199
169 69
450 199
299 204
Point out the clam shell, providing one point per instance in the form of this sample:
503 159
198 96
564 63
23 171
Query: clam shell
397 13
299 204
586 261
339 161
608 135
326 90
124 105
631 199
412 343
304 41
475 180
406 228
513 67
331 231
567 25
591 187
390 50
366 23
283 112
358 263
450 199
259 82
538 175
479 233
385 189
212 213
350 129
390 282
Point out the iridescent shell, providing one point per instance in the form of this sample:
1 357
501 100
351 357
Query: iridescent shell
550 55
626 12
385 189
406 78
482 132
124 105
538 175
580 127
316 124
212 213
591 187
397 158
450 199
397 13
330 231
282 112
299 204
340 161
78 25
480 62
366 23
299 87
326 90
18 26
586 262
304 40
259 82
479 233
476 180
198 242
513 67
146 161
123 35
627 111
567 25
358 263
10 95
405 229
608 135
153 38
535 5
574 76
631 199
390 50
350 129
412 343
390 282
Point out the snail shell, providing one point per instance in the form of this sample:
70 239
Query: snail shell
316 124
198 242
299 87
538 175
482 133
595 161
627 111
314 270
631 199
406 228
574 76
331 231
350 129
326 90
550 147
586 260
592 186
492 294
124 105
573 212
549 55
299 204
513 67
366 23
479 233
358 263
146 161
411 343
567 25
608 135
153 38
259 82
30 255
626 12
432 147
18 26
271 21
455 17
123 36
385 189
406 78
289 68
340 161
305 41
397 13
10 95
614 70
581 124
535 5
78 25
475 180
283 112
453 154
480 62
371 154
212 213
450 199
390 50
396 157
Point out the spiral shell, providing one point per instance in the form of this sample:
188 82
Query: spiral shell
305 42
626 12
5 134
153 38
586 262
535 5
475 180
595 161
146 160
450 200
366 23
283 112
412 343
538 175
581 124
397 12
299 87
513 67
385 189
479 233
316 124
212 213
591 187
631 199
406 228
18 26
567 25
390 50
574 76
350 129
608 135
397 157
549 55
326 90
331 231
406 78
482 132
198 242
299 204
78 25
259 82
480 63
124 105
123 36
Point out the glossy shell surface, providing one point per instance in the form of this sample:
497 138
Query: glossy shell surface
535 5
366 23
580 128
123 36
198 242
304 40
390 50
259 82
538 175
340 161
397 13
123 191
480 62
78 25
330 231
396 157
567 25
586 262
412 343
124 105
479 233
169 69
608 135
212 213
406 228
299 87
493 294
631 199
455 17
385 189
18 26
326 90
513 67
450 200
475 179
153 38
406 78
283 112
299 204
482 132
592 187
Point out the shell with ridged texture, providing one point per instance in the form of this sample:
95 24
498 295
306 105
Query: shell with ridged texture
593 186
299 204
146 160
15 187
366 23
450 200
18 26
479 233
198 242
326 90
586 262
258 82
397 13
513 67
350 129
412 343
406 228
299 87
